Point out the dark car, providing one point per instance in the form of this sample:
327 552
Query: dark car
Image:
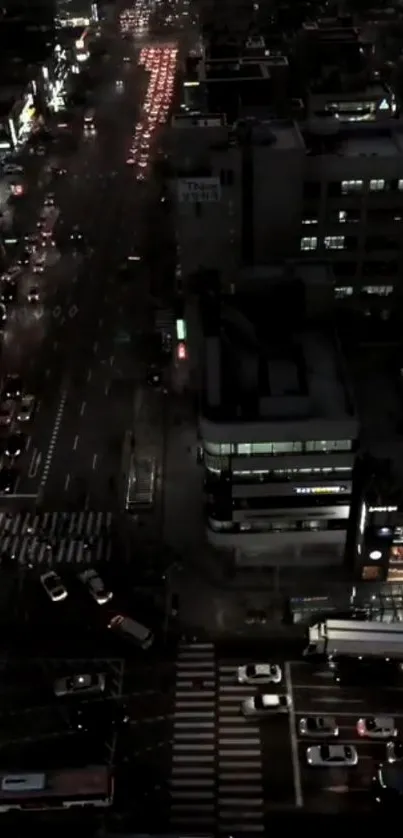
14 445
9 292
25 258
12 388
99 717
8 480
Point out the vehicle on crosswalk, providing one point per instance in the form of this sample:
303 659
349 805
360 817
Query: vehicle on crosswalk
265 705
84 684
377 727
53 585
394 750
318 727
259 673
329 756
26 408
132 630
95 586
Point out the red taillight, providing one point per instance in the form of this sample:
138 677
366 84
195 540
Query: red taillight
182 352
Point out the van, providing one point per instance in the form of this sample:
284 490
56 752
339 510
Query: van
132 630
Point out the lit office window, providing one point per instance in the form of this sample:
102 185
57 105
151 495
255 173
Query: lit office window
309 243
376 185
348 186
378 290
334 242
341 292
309 220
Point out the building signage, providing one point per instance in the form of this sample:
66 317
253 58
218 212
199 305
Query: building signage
202 190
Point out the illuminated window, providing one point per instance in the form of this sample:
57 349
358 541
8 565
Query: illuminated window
309 243
376 185
341 292
348 186
334 242
309 220
378 290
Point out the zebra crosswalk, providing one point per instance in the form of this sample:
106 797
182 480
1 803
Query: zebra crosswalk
193 748
54 538
240 775
216 774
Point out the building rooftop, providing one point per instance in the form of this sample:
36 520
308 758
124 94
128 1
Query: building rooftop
381 139
258 369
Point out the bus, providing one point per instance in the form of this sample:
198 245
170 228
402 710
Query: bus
40 790
140 489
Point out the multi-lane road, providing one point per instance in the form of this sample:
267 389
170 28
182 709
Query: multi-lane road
81 351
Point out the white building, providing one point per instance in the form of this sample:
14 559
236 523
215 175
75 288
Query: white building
279 434
273 190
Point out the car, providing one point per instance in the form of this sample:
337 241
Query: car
26 408
95 586
265 705
259 673
6 413
49 199
14 445
130 161
85 684
53 586
377 727
39 263
33 294
9 291
3 315
318 727
106 716
8 481
394 750
329 756
387 784
12 387
25 258
255 616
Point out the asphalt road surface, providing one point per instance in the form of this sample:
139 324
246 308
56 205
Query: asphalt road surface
80 350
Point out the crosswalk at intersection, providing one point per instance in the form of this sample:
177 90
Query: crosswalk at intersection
52 538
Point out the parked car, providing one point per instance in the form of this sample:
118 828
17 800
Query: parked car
329 756
53 586
89 683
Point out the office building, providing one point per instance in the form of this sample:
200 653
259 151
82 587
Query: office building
76 13
277 425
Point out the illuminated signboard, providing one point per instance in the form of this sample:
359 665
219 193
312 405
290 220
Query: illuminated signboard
320 490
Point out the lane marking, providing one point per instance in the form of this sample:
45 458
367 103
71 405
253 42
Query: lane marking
66 483
53 440
89 375
82 411
75 443
107 389
112 360
94 461
299 800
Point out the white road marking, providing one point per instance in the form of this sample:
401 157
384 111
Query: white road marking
75 443
28 443
53 440
335 700
94 461
66 482
82 410
106 388
299 800
89 375
34 464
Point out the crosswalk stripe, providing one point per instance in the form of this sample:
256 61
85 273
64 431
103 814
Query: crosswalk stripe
53 538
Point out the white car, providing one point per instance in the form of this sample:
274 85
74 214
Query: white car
377 727
259 673
80 684
53 586
265 705
328 756
39 262
318 727
95 586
